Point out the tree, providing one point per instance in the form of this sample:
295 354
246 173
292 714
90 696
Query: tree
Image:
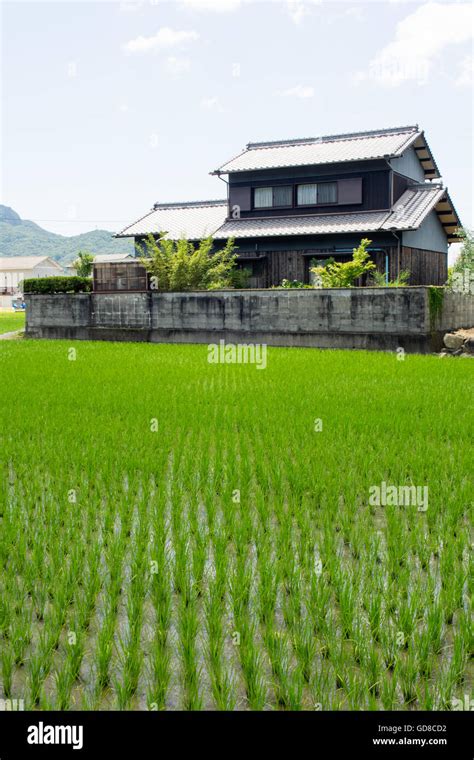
338 274
179 265
83 264
465 260
461 274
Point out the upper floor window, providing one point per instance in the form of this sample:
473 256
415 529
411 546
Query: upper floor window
316 194
270 197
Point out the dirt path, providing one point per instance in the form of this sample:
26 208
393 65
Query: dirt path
11 335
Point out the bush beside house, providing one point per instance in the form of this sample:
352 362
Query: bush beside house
48 285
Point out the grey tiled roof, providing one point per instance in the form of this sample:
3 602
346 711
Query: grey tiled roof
202 218
408 213
323 150
317 224
412 207
180 220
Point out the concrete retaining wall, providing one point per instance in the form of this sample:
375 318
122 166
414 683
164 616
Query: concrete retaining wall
372 318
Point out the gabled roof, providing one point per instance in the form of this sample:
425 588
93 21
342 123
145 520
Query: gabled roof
412 206
26 262
201 218
190 220
407 213
329 149
417 202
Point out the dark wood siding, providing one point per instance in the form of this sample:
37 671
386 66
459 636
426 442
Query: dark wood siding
375 194
295 265
426 267
258 265
400 184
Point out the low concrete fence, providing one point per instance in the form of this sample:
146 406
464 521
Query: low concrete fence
368 318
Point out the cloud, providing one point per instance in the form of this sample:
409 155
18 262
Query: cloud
219 6
300 91
212 104
164 39
466 76
130 6
177 66
419 40
299 9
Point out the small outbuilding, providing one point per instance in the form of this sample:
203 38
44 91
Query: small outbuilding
15 269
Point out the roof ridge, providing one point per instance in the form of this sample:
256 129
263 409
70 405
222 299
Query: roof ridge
425 185
26 256
330 138
185 204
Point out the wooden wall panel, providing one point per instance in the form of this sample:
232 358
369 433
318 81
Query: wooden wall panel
426 267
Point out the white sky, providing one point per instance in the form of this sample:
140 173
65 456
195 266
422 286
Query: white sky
108 107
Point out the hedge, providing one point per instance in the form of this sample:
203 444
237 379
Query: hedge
57 285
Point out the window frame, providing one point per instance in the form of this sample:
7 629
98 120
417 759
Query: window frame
317 184
291 204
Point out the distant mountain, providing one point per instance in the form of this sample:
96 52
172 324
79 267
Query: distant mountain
19 237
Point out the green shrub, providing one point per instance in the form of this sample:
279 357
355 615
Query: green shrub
343 274
57 285
178 265
435 301
83 264
240 277
378 279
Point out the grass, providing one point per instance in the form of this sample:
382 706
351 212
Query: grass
180 535
11 320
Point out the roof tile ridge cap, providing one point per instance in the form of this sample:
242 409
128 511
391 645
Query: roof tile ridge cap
409 129
190 204
427 185
291 142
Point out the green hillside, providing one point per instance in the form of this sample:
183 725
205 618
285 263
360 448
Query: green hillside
19 237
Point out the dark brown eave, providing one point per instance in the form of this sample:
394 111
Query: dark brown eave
425 156
448 217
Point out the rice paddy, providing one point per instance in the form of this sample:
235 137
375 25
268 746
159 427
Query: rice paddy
176 534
